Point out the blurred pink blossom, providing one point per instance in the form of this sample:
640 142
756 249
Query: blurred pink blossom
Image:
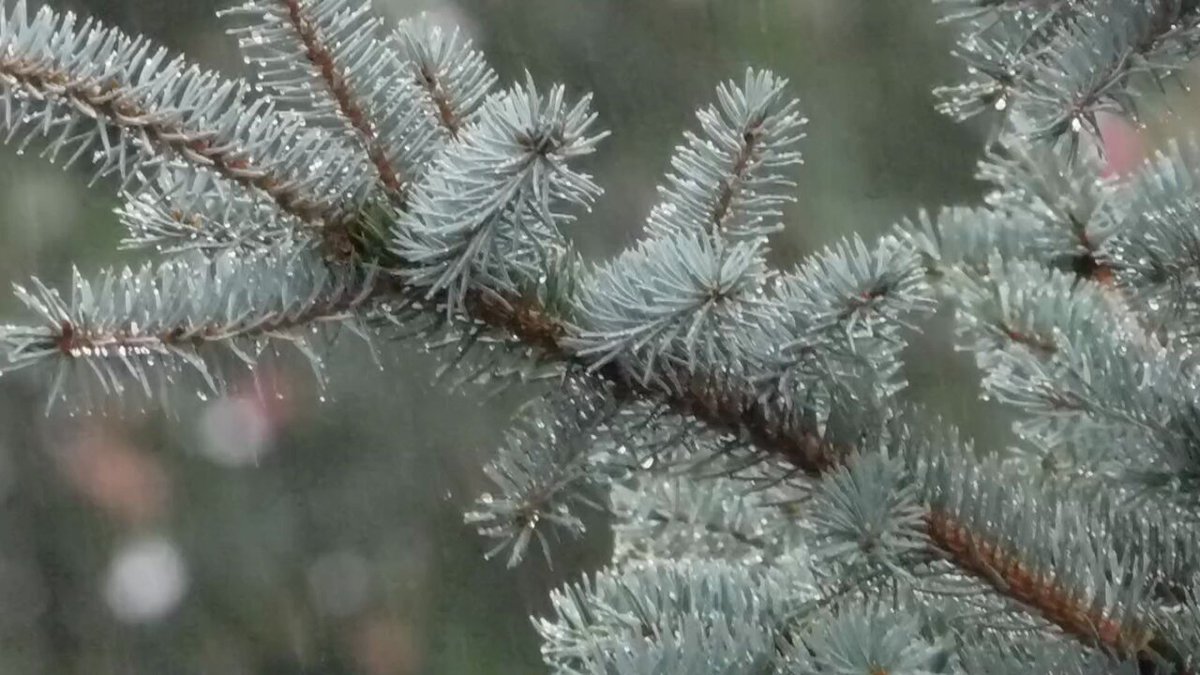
386 646
114 474
1124 146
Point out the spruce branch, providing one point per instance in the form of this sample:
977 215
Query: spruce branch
1013 656
363 84
492 206
848 303
1061 191
154 323
871 639
967 9
674 516
867 514
965 238
684 326
776 423
1046 554
454 77
546 465
1060 63
1172 471
949 536
1053 346
673 301
1160 532
1089 65
88 86
1155 244
674 616
726 180
1000 44
185 208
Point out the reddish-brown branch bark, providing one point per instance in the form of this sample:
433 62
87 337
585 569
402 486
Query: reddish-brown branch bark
1034 342
1005 571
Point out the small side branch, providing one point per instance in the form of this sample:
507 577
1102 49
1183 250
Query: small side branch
732 185
452 76
114 106
117 326
317 51
435 89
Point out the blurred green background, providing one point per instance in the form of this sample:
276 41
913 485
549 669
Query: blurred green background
299 536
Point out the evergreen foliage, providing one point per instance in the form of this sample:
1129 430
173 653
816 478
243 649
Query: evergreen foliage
776 507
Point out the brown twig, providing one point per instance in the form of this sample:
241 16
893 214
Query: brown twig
733 183
1007 573
448 118
75 341
1043 346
